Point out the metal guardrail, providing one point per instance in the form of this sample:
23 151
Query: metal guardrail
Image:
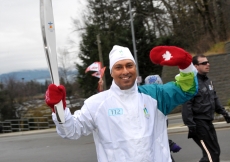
33 123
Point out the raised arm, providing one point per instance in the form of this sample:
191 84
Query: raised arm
185 85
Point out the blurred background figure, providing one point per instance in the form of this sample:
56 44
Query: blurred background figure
100 85
153 79
156 79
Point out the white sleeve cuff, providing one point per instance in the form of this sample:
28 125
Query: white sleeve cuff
189 69
67 115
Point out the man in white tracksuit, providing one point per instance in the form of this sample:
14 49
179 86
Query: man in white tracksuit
129 122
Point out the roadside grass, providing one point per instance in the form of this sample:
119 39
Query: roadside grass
218 48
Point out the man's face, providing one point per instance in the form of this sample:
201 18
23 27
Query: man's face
124 73
203 65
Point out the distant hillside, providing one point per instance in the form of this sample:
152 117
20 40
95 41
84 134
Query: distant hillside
39 75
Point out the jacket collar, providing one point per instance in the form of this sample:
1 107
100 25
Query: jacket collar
120 92
202 77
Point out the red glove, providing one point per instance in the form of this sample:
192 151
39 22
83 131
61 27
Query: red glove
171 56
54 95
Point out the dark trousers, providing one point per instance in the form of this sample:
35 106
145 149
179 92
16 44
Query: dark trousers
206 139
172 159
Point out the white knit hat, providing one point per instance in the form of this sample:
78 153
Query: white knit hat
153 79
119 53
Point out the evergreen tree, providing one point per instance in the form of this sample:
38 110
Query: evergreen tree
111 20
7 107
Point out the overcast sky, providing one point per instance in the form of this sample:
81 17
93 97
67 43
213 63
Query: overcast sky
21 46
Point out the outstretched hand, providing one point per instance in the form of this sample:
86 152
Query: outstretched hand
175 148
192 132
227 118
171 56
54 95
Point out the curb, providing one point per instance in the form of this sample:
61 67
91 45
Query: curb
183 128
28 132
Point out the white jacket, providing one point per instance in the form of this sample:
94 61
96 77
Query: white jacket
129 125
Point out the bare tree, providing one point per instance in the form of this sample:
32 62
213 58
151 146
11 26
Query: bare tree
65 61
219 19
11 91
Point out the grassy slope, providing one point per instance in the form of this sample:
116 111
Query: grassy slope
218 48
